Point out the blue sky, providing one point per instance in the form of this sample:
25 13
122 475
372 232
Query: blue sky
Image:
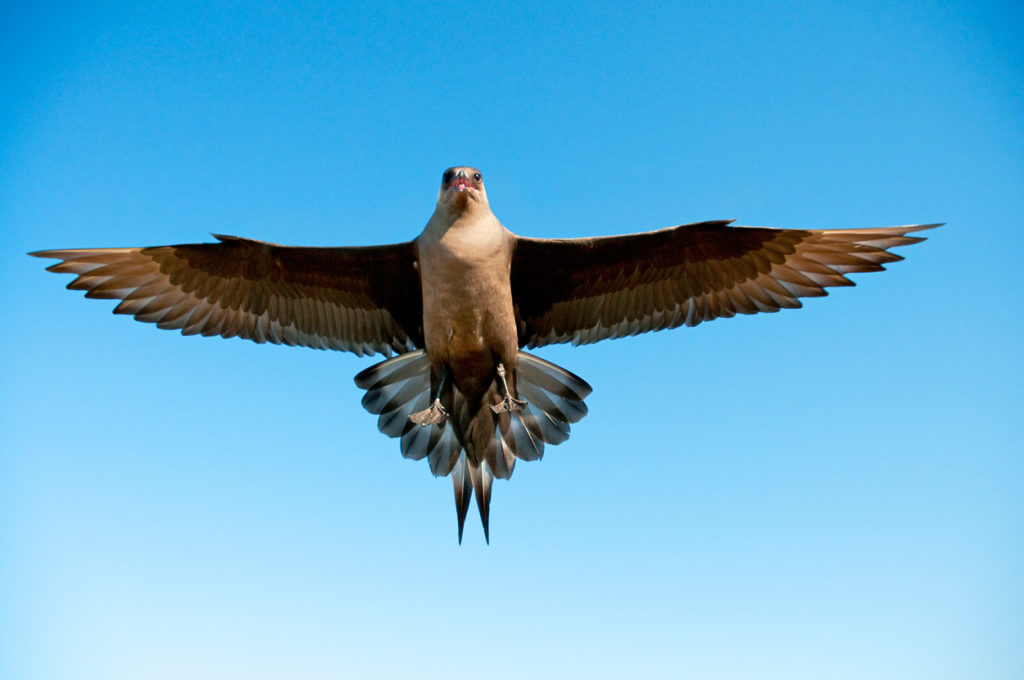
833 492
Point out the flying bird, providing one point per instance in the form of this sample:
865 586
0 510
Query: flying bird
459 303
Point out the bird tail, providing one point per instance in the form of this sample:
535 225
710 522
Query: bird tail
474 445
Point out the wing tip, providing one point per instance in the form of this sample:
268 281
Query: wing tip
910 228
52 254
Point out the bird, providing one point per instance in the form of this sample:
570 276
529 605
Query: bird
454 310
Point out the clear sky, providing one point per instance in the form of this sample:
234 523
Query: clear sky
833 492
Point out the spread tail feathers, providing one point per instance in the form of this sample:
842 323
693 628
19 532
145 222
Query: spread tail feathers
474 447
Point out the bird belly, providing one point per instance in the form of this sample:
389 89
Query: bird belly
469 326
469 329
468 318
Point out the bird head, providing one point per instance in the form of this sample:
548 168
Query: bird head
461 189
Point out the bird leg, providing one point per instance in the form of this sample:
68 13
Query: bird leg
508 403
435 413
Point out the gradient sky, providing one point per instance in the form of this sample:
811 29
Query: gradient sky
834 492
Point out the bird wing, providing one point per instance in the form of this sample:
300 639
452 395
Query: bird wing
363 300
590 289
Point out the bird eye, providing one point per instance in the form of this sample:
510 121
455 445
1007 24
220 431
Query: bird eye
447 176
477 176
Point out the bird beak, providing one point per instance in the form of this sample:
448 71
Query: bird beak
460 182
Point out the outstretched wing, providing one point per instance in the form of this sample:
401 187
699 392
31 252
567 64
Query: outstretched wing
585 290
363 300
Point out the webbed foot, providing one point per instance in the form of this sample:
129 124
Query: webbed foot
433 415
508 403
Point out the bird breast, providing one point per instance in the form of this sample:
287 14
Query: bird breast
467 295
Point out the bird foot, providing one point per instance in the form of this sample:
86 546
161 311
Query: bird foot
508 404
434 415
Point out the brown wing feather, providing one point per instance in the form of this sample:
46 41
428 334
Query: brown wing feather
585 290
362 300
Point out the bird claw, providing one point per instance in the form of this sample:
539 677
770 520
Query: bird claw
433 415
508 404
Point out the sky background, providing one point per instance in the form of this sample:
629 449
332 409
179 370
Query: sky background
834 492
